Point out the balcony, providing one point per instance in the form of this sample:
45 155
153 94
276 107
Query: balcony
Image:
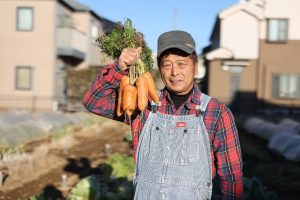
71 44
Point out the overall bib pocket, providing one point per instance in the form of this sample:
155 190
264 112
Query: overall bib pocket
178 146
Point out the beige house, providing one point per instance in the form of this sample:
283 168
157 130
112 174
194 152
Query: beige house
39 40
253 58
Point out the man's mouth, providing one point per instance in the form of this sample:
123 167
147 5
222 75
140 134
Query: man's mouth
175 81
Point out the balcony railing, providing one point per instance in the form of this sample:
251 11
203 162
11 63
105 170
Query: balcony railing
71 43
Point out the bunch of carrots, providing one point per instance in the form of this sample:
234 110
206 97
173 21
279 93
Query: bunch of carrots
134 92
138 85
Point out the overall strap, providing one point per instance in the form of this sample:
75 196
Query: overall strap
155 106
204 101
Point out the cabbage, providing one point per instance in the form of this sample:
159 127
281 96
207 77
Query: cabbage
86 189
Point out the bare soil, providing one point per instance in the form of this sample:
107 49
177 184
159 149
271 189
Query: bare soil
82 158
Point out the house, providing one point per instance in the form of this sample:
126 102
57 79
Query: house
253 58
39 40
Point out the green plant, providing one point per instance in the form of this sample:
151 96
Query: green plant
122 165
40 197
121 37
12 150
88 188
61 132
89 121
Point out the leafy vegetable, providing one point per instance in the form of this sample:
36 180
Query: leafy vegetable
122 165
122 37
86 189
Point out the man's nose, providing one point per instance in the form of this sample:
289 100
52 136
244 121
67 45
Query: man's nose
174 70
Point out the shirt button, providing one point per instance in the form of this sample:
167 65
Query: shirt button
157 128
185 131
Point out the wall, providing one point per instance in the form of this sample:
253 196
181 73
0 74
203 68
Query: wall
27 48
240 33
277 58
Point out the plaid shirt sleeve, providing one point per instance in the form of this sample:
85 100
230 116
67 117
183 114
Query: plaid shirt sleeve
228 156
101 95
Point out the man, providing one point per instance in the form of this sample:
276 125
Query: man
186 141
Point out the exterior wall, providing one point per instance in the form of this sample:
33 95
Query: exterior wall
82 22
287 9
96 57
34 48
240 33
219 82
276 59
72 36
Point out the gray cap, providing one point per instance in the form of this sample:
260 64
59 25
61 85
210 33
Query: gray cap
175 39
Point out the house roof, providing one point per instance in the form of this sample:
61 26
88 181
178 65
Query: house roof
250 8
219 53
78 7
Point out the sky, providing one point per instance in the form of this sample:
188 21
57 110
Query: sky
154 17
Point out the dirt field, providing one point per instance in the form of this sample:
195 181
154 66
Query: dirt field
85 153
276 173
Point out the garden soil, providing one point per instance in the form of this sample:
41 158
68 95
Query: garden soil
88 151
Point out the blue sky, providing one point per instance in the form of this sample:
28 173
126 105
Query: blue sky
154 17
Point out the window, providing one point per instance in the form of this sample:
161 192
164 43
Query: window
286 86
24 19
23 78
277 30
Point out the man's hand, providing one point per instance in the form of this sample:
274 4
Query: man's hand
128 57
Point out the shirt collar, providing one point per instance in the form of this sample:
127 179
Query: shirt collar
191 102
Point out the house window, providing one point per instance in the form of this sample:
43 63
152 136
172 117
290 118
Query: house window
277 30
286 86
24 19
23 78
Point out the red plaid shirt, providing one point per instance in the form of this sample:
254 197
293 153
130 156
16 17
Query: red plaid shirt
225 147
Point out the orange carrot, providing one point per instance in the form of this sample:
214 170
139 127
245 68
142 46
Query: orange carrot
142 92
151 87
124 82
129 98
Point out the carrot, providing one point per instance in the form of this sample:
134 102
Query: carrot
124 82
129 97
151 87
142 92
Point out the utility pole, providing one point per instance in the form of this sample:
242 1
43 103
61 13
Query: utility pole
174 18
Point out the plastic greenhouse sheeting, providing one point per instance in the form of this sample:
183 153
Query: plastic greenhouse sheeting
260 128
292 124
286 144
20 127
264 129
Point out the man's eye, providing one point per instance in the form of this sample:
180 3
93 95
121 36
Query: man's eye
181 65
166 66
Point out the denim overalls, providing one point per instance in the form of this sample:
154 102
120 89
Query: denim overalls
173 157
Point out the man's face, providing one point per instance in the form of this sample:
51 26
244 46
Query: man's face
177 71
